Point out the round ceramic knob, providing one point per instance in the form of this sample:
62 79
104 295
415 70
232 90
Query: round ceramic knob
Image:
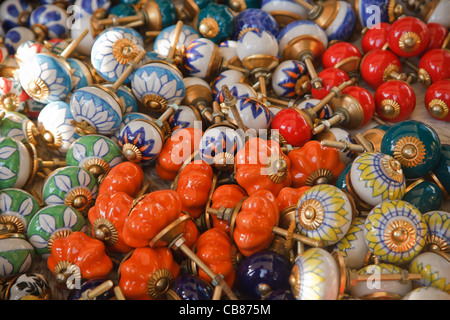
254 113
293 126
424 195
15 162
353 246
331 77
365 9
185 117
54 121
93 289
290 79
325 113
15 36
415 145
339 135
17 208
163 41
284 11
190 9
113 49
46 78
191 287
52 222
440 174
438 237
408 37
15 13
19 127
141 141
16 253
261 273
341 27
256 42
432 66
228 51
395 101
88 7
203 58
344 56
228 78
95 153
375 37
49 21
395 231
157 84
241 5
438 35
72 186
27 286
127 118
437 100
388 290
434 267
324 213
81 74
427 293
378 66
216 22
125 96
123 10
313 264
27 49
238 90
375 177
255 18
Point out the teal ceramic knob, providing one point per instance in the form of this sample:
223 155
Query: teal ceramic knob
324 213
72 186
94 153
15 163
415 145
17 208
216 22
395 231
424 195
18 126
441 173
16 254
434 267
53 222
438 223
341 181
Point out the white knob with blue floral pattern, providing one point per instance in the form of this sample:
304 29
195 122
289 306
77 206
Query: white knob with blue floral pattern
49 21
14 13
254 114
16 36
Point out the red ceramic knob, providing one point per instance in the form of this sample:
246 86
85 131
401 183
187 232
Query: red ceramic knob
365 100
395 101
437 35
377 65
375 37
434 66
190 232
408 37
125 177
293 126
437 100
331 77
342 55
226 196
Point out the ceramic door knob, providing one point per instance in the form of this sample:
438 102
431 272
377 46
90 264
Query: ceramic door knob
240 91
375 37
425 293
425 195
88 7
185 117
164 41
438 234
408 37
19 127
216 22
255 18
290 79
284 11
191 287
16 163
369 16
226 77
344 56
27 286
437 100
434 268
378 66
17 254
127 177
438 35
395 101
190 9
331 77
49 21
15 13
15 36
254 114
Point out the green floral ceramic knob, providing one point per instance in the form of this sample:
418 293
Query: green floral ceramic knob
53 222
15 163
72 186
438 223
18 126
95 153
395 231
16 254
17 208
434 267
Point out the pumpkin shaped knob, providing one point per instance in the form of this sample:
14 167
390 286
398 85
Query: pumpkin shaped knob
125 177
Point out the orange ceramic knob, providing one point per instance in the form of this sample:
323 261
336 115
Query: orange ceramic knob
314 164
190 233
214 247
226 196
127 177
177 148
254 224
140 273
289 196
80 250
149 216
194 183
107 218
261 165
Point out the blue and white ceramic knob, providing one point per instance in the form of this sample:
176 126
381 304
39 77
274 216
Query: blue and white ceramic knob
141 141
191 287
113 49
216 22
340 135
16 254
156 85
375 177
343 24
284 11
254 114
262 273
46 78
127 117
325 113
54 121
27 286
371 12
255 18
126 97
51 21
95 153
163 41
427 293
415 145
185 117
15 13
52 222
81 75
16 36
77 27
324 213
238 90
228 50
15 163
424 195
290 79
228 78
72 186
315 276
27 49
257 48
17 208
202 58
87 7
434 267
395 231
438 223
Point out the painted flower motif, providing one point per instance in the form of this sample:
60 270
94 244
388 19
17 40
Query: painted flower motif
198 54
433 269
218 140
18 203
16 256
163 41
9 155
53 17
10 11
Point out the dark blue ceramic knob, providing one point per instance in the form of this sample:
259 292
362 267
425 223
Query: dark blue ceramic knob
255 18
441 174
91 284
261 273
424 195
280 295
190 287
415 145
